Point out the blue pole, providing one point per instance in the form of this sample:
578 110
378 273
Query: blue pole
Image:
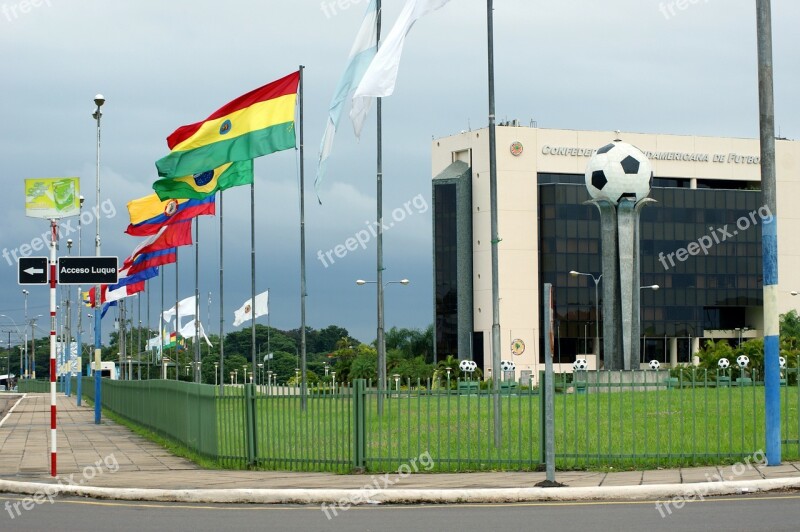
769 233
80 352
97 371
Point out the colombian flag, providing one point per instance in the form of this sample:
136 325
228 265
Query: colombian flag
201 185
149 214
255 124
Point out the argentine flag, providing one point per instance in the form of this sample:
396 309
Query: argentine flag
362 53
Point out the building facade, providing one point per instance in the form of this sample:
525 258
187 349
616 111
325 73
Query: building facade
700 243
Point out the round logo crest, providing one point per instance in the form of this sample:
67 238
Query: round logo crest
203 178
516 148
517 347
225 127
247 309
171 207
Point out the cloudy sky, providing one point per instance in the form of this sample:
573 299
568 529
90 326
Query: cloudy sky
633 65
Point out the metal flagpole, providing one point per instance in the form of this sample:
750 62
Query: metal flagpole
302 259
149 331
139 338
196 364
379 201
161 317
177 318
252 274
496 372
769 234
221 310
98 391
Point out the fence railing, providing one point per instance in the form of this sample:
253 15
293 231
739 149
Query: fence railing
621 419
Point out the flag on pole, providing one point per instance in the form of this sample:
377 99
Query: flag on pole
198 186
186 307
149 214
361 54
244 313
190 329
143 261
169 236
255 124
381 75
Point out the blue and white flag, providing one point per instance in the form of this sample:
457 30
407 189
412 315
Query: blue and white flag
364 49
381 75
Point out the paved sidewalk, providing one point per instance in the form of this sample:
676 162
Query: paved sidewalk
24 457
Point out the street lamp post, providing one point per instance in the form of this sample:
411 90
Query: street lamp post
25 296
381 340
216 376
99 100
596 312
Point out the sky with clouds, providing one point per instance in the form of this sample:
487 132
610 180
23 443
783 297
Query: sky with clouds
684 67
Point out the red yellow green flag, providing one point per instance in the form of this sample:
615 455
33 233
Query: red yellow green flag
255 124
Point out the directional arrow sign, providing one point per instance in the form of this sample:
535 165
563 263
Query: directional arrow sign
32 270
87 270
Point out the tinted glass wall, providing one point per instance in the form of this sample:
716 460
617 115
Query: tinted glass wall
701 246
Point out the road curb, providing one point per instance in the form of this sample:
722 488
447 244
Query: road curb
353 497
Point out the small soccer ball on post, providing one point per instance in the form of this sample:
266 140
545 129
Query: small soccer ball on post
467 366
743 361
580 365
507 365
782 362
723 363
655 364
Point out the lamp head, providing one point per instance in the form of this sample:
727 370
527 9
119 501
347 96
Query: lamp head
574 273
404 281
81 199
25 292
99 100
361 282
655 287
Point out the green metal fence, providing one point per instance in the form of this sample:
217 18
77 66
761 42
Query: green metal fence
624 419
35 386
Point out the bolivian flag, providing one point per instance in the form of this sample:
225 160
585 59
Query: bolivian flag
199 186
255 124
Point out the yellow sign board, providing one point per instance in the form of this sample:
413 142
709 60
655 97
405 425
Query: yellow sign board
52 197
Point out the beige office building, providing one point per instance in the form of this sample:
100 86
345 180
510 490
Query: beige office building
707 189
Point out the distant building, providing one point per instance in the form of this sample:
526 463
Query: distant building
701 243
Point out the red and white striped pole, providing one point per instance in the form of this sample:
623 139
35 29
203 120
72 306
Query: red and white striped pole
53 243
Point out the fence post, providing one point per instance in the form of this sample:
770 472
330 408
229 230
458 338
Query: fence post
542 446
250 423
359 423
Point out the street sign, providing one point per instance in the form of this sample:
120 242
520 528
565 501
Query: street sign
32 270
87 270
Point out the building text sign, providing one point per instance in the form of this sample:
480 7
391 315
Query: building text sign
729 158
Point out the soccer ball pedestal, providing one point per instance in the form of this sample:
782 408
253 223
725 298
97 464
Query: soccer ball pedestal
619 177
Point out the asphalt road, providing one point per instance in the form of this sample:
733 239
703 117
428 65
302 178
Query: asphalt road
769 512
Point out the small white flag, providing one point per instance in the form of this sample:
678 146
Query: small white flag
189 331
245 313
186 307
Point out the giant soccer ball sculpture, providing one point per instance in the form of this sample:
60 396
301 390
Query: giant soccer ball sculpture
723 363
618 179
619 171
467 366
580 365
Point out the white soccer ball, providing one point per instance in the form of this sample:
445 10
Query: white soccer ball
580 365
743 361
655 364
619 171
468 366
507 365
723 363
782 362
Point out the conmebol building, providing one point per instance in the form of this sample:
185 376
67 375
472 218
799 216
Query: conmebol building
700 243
